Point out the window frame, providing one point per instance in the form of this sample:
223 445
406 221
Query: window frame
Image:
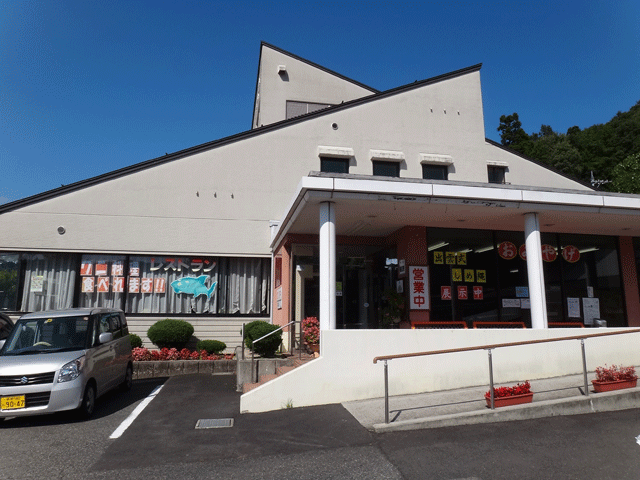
385 164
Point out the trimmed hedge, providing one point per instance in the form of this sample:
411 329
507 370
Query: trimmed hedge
169 333
211 346
135 340
257 329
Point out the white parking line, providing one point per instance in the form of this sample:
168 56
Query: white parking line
138 410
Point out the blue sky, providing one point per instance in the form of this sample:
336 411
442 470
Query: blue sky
87 87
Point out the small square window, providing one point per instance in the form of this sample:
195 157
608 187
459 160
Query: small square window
435 172
334 165
386 169
496 174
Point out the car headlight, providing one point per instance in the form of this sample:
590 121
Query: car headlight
71 370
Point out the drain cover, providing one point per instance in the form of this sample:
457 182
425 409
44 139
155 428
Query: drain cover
214 423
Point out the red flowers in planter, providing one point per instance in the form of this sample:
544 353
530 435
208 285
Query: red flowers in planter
311 330
519 389
141 354
615 373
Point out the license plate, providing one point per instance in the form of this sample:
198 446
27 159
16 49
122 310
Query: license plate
12 403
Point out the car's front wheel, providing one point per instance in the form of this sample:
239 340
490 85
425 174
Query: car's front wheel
128 379
88 402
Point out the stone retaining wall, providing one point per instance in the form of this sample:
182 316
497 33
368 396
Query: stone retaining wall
170 368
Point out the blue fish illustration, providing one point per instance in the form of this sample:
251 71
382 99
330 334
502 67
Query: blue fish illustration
195 286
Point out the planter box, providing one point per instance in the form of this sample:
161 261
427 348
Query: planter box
512 400
170 368
615 385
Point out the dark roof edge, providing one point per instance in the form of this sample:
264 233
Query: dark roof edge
315 65
538 162
7 207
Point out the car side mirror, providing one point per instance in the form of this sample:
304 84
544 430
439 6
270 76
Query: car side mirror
105 337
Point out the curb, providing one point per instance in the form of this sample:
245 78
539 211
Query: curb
171 368
600 402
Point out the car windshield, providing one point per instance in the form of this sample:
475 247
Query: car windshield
42 335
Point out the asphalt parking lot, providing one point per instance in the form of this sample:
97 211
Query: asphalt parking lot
323 442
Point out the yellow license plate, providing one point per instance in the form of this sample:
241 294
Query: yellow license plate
12 403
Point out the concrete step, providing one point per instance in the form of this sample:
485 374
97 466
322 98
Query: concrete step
246 387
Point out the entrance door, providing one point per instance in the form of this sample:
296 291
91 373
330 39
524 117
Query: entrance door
356 306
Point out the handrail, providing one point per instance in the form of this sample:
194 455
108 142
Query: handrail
253 342
490 347
498 345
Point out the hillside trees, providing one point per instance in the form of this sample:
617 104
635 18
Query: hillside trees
598 149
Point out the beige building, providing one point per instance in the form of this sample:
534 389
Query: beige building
333 202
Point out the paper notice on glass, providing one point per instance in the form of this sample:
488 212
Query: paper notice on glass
525 303
510 303
573 307
591 307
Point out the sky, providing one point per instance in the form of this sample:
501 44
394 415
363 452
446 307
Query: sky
88 87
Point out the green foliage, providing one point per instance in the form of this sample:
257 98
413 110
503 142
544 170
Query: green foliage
211 346
170 333
598 149
135 340
626 175
266 347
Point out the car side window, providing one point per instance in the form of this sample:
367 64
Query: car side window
115 325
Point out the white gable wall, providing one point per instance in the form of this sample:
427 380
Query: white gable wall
302 82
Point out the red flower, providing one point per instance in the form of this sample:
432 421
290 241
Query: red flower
519 389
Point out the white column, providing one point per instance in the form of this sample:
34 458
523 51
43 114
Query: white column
535 272
327 267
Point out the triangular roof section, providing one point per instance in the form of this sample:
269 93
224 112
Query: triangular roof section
288 85
538 162
242 136
7 207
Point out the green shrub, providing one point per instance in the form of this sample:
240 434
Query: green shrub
211 346
266 347
135 340
170 333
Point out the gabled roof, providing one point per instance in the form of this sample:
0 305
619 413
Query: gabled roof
7 207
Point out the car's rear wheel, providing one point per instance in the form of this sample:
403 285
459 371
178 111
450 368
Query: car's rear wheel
88 402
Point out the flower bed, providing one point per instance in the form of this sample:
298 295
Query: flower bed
141 354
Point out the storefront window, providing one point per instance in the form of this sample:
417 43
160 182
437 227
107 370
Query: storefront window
198 285
9 265
49 281
463 272
591 274
581 272
102 281
137 284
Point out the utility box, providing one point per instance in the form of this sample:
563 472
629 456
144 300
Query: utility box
598 322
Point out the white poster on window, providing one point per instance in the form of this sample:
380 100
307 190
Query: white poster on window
279 298
510 303
37 283
573 307
591 307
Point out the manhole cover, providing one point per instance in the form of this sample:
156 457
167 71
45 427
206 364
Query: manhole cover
214 423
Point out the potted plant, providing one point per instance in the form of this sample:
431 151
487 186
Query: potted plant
311 333
614 378
504 396
393 309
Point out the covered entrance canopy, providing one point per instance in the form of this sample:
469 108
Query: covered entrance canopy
332 205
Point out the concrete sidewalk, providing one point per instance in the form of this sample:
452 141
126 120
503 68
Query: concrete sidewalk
552 397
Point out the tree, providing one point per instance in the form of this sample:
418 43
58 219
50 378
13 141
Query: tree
511 131
626 175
